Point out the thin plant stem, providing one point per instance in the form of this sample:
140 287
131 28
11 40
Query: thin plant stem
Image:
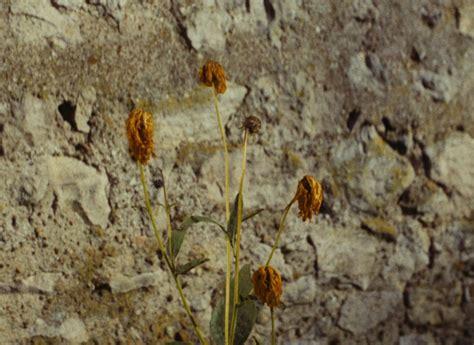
273 326
227 217
238 237
165 255
168 222
197 329
226 154
280 230
150 214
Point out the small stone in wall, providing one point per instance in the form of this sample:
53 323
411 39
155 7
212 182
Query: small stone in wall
346 255
81 188
363 311
417 339
207 29
41 282
120 283
301 291
452 162
32 117
372 172
466 19
38 22
431 307
72 329
84 106
365 75
441 87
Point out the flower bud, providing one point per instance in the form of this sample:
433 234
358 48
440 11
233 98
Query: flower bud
252 124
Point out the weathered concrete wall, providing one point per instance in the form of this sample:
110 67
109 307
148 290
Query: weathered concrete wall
373 97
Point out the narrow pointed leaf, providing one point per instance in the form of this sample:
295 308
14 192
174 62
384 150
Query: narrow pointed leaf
245 317
207 219
245 282
182 269
177 236
232 226
252 214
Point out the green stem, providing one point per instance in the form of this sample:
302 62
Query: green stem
150 214
168 221
273 326
238 237
227 217
165 255
197 329
280 230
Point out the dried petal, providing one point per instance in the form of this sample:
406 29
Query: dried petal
212 74
310 197
267 285
139 127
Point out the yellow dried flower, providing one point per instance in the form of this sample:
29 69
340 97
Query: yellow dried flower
212 74
139 127
252 124
267 285
310 197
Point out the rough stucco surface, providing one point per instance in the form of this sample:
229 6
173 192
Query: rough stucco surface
373 97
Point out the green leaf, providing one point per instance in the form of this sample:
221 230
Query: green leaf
257 342
245 282
246 314
177 236
182 269
197 219
252 214
232 226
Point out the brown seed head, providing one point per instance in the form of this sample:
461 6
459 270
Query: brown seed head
212 74
310 197
252 124
267 285
139 127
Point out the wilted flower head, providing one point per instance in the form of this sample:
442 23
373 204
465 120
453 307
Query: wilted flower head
310 197
212 74
140 135
267 285
252 124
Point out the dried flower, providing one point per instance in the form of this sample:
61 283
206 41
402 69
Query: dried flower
252 124
212 74
310 197
267 285
140 135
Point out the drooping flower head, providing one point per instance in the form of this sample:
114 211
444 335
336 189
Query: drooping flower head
252 124
139 127
310 197
267 285
212 74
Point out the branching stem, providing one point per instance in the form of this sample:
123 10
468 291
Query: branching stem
238 237
227 217
169 263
